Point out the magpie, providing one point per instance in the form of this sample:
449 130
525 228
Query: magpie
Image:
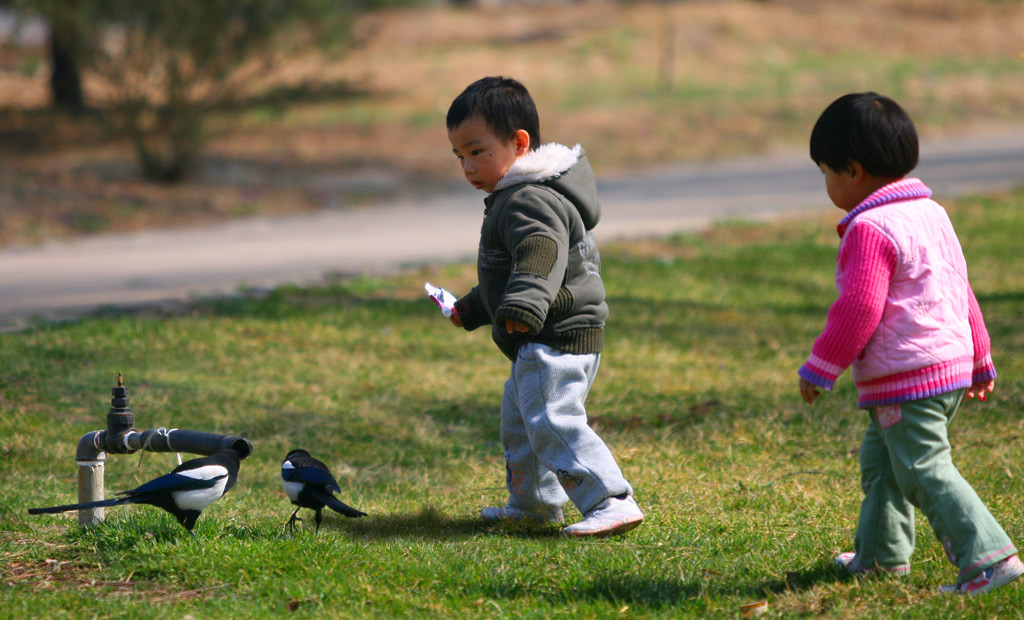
309 484
185 492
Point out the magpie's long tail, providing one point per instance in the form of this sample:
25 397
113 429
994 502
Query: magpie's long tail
338 506
100 504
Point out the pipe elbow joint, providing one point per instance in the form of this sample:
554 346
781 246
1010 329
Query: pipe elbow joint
91 447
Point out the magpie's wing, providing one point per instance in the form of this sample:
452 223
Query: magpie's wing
172 482
311 475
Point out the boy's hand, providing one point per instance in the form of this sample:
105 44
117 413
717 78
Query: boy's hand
515 326
809 391
981 390
455 319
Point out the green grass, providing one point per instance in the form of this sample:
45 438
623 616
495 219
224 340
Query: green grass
748 492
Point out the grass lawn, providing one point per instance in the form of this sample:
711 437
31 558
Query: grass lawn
748 492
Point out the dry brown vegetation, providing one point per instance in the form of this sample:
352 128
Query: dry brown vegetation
637 84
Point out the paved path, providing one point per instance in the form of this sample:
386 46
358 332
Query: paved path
59 280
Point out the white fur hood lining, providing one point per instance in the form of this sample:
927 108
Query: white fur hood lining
547 162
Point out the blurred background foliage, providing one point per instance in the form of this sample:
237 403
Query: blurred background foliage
257 107
166 63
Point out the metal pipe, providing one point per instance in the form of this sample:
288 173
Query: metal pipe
90 457
180 440
122 438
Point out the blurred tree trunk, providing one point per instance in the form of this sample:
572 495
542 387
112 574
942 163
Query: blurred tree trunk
65 81
66 43
167 64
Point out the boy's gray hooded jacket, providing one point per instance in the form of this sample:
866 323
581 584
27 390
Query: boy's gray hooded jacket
538 262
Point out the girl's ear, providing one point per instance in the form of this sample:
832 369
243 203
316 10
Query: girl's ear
856 171
522 142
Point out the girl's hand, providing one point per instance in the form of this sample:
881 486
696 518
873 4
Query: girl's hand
454 318
515 326
981 390
809 391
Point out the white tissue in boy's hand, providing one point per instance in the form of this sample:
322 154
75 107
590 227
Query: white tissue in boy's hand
442 298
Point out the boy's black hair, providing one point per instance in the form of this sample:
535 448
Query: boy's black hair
503 103
870 129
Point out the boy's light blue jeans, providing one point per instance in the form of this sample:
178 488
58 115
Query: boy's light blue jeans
551 454
905 462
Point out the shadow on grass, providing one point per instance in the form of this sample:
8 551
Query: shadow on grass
1001 312
119 534
620 590
659 592
639 592
429 524
824 571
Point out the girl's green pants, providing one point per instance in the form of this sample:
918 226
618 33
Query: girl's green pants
905 462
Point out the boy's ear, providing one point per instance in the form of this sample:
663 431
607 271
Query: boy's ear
522 142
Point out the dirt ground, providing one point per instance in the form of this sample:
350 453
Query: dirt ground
638 84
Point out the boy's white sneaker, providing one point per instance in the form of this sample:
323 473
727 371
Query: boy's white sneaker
508 513
612 516
995 576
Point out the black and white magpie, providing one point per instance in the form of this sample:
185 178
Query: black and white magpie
185 492
309 484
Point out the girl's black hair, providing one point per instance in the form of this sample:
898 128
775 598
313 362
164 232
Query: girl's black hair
867 128
503 103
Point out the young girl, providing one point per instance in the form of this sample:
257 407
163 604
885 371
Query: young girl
908 322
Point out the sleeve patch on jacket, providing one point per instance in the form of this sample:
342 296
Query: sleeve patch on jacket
562 304
536 255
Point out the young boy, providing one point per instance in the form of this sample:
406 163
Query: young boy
908 322
540 289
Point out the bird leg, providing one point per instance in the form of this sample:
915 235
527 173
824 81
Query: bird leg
290 526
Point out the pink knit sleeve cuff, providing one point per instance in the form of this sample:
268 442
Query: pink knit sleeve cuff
984 370
820 373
